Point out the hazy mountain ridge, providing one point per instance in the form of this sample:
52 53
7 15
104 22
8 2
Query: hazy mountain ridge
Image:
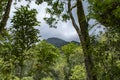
58 42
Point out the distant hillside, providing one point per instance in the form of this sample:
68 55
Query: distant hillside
58 42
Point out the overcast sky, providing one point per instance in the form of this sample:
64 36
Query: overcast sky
63 31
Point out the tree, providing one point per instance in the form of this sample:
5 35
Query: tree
106 12
78 73
24 35
6 59
107 56
74 57
45 56
57 11
4 13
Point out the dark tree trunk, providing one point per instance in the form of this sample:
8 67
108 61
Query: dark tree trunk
85 41
82 31
5 16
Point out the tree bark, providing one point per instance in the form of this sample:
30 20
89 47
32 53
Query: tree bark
82 31
85 41
5 16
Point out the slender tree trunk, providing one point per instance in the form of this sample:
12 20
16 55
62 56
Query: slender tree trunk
82 31
21 70
85 41
5 16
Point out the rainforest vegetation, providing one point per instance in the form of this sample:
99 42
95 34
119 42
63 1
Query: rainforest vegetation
25 56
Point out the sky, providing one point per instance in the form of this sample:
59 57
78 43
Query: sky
63 31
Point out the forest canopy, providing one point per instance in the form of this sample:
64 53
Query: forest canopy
25 56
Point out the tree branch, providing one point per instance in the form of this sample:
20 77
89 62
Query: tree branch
72 19
73 7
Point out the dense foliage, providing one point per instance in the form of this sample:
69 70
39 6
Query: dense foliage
107 12
23 56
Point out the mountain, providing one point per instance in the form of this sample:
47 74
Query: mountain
58 42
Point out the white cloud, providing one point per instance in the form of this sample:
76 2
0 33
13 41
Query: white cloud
64 30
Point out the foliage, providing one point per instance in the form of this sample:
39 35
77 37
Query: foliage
24 57
24 35
73 51
27 78
69 49
45 56
106 12
48 78
46 53
2 7
59 12
74 56
23 32
78 73
56 11
107 56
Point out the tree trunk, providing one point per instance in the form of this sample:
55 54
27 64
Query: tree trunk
21 70
5 16
85 41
